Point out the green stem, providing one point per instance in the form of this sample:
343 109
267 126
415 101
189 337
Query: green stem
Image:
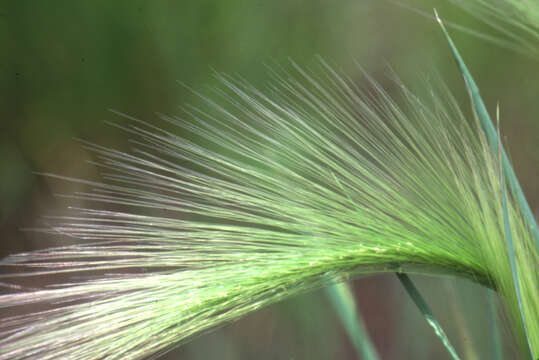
427 313
495 331
343 301
513 260
507 173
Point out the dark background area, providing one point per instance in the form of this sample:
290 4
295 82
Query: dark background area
64 64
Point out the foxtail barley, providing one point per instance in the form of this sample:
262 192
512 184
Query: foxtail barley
257 196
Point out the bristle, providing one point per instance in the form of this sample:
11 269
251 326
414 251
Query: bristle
258 196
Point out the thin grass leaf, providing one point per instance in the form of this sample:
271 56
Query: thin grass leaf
510 245
343 301
256 196
482 114
423 307
524 311
494 328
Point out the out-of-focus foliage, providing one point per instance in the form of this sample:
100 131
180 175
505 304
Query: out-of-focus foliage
516 22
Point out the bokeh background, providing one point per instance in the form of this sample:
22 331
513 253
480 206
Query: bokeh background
64 64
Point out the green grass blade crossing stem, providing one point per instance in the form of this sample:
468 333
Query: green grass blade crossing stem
507 173
490 132
344 303
511 248
421 304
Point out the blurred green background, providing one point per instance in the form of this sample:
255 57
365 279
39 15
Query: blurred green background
64 64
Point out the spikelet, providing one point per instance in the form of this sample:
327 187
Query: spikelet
258 196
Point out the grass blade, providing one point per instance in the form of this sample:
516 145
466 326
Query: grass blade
511 252
495 331
343 301
482 114
524 284
421 304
